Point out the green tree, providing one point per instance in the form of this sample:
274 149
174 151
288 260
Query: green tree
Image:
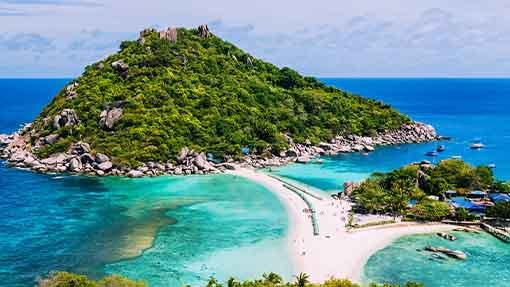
302 279
431 210
500 210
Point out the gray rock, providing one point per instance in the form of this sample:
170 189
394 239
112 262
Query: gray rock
121 67
51 139
71 91
178 171
203 31
105 166
86 158
169 34
56 159
135 173
67 117
75 165
101 158
182 154
292 153
109 117
79 148
201 162
303 159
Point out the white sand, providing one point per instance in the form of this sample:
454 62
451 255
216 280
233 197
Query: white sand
336 252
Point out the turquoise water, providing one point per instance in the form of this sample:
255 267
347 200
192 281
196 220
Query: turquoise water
172 231
204 225
404 260
465 109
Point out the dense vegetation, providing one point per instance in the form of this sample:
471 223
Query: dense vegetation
500 210
206 94
64 279
391 192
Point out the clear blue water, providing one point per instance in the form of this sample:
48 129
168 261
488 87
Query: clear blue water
404 260
465 109
182 230
169 231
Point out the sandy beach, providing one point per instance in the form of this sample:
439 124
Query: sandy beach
335 252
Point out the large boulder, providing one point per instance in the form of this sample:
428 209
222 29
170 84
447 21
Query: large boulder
169 34
203 31
109 117
121 67
105 166
79 148
183 154
134 173
200 161
75 165
71 91
100 158
67 117
56 159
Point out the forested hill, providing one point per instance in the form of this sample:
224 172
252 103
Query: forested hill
187 87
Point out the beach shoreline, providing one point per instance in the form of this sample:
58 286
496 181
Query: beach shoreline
336 252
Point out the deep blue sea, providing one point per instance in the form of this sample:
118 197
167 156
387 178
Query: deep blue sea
172 231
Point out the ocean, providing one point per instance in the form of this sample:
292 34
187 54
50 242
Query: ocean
172 231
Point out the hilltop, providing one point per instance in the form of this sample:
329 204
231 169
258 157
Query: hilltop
185 96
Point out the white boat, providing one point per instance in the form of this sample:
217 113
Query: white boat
492 165
456 157
477 146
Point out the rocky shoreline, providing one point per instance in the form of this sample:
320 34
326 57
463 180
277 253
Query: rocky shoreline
81 159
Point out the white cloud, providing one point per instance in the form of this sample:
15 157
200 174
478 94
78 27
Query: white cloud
324 37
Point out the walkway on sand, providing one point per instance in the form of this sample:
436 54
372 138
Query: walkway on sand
336 251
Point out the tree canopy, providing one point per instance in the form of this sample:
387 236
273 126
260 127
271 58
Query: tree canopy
204 93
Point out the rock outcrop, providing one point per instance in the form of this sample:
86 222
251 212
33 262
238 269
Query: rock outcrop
81 158
121 67
110 116
169 34
146 32
203 31
67 117
71 91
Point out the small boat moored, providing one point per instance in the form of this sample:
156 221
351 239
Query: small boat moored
477 146
441 148
492 165
456 157
431 153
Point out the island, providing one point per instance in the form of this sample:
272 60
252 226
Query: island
183 101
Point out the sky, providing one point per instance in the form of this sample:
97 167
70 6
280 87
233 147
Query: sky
324 38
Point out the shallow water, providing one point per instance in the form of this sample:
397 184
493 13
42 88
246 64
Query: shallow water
486 264
204 226
465 109
172 231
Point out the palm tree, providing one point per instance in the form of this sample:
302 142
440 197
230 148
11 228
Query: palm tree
213 282
302 279
232 282
272 278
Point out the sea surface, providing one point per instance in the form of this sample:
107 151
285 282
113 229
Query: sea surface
169 231
172 231
468 110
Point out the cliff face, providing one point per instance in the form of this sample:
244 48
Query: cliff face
174 100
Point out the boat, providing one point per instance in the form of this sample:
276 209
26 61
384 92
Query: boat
447 236
456 157
492 165
441 148
477 146
431 153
